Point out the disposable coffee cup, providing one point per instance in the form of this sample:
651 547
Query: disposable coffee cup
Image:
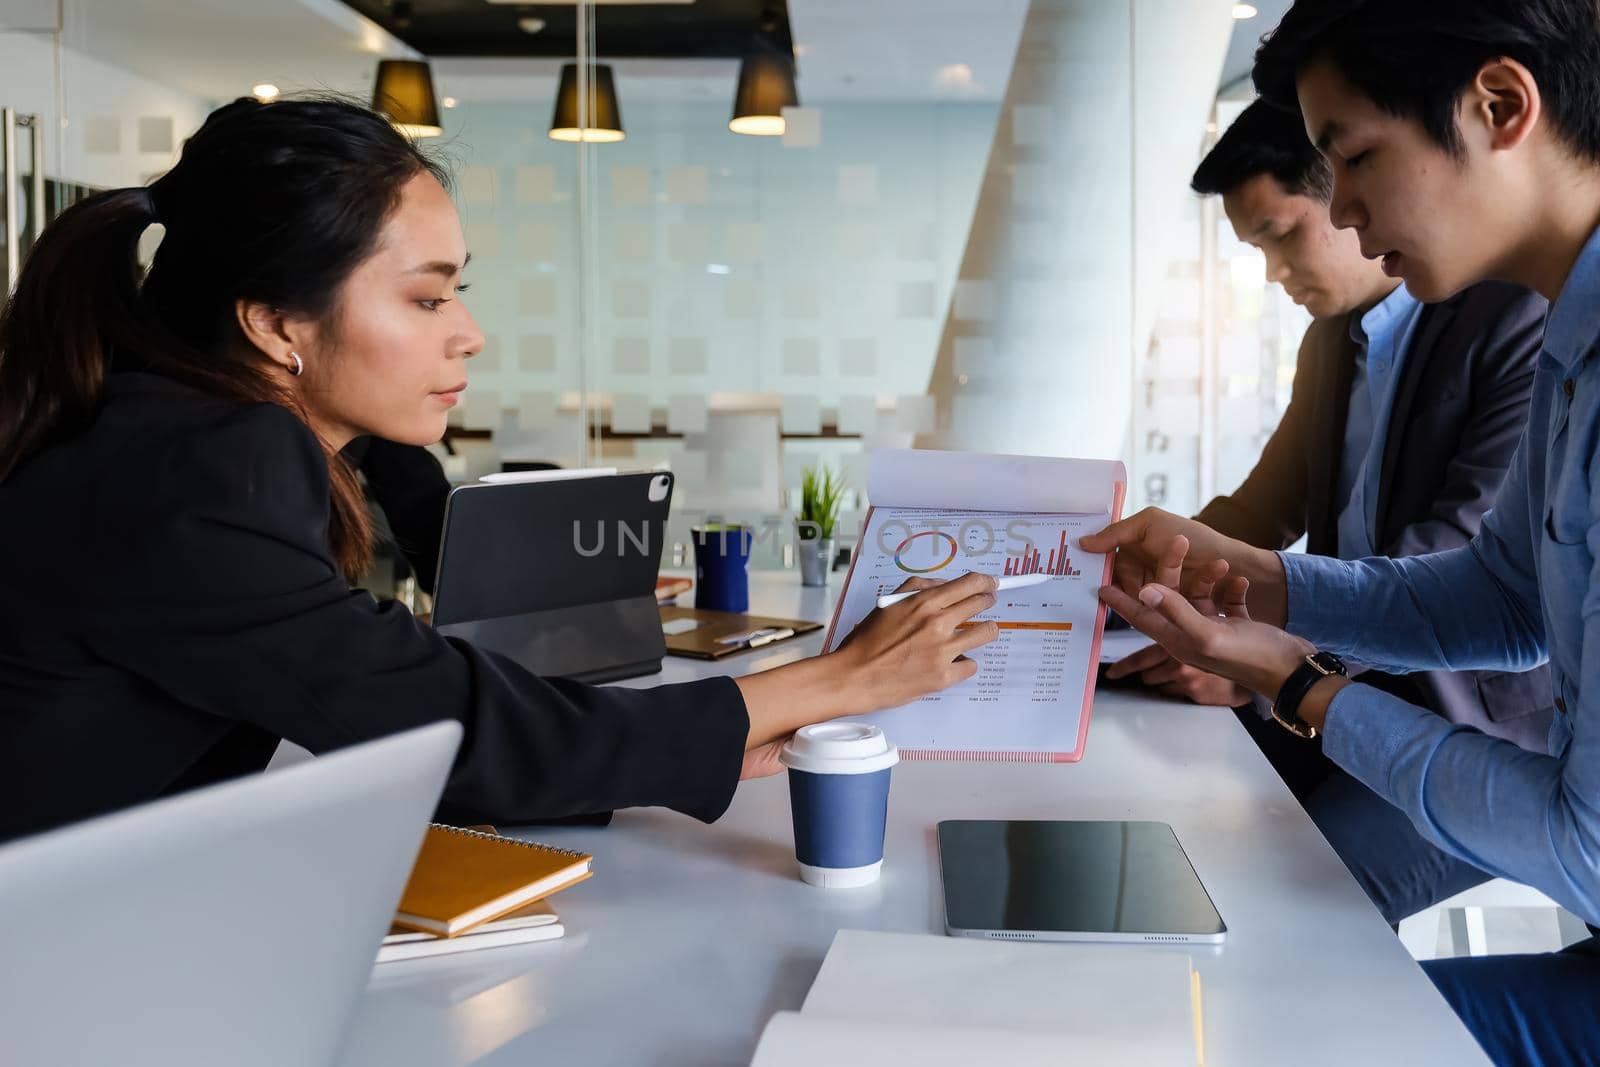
839 798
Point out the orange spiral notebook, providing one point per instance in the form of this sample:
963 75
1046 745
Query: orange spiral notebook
465 878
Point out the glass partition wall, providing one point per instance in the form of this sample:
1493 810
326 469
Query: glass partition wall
744 239
90 121
739 307
1219 363
29 109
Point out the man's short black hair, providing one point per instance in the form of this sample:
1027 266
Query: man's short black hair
1265 139
1416 58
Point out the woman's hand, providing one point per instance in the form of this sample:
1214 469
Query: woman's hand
1158 547
762 761
919 646
894 656
1214 632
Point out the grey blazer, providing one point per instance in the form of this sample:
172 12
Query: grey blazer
1459 411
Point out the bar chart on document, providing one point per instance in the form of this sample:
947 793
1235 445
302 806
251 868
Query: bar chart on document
1042 655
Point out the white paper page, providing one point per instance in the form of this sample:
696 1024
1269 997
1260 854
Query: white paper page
792 1039
393 951
912 478
1028 694
1127 1003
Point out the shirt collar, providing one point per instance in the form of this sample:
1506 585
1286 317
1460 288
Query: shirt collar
1574 325
1382 316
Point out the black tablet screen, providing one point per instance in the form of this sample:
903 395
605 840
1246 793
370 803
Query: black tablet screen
1093 878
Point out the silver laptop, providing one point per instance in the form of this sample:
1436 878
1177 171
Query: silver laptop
236 924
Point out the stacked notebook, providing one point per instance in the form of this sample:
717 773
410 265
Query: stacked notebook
536 922
470 889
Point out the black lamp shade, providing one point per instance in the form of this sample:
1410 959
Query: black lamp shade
766 87
404 94
604 118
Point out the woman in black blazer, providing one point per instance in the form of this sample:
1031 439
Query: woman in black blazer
178 530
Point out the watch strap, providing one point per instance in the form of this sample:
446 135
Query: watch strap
1286 709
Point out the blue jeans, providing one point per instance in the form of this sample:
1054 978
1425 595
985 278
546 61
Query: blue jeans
1537 1011
1400 870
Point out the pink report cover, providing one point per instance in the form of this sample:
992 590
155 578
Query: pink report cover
941 514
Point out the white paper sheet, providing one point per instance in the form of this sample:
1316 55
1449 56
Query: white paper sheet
932 1001
915 478
792 1039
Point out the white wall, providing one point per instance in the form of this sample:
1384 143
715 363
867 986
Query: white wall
1085 188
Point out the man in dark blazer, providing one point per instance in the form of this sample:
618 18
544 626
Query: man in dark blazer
409 484
1399 430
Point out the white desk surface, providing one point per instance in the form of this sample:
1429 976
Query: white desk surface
690 937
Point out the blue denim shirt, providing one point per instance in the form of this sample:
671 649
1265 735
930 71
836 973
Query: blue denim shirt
1526 587
1383 337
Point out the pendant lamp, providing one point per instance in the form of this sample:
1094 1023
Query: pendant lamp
604 118
403 93
766 87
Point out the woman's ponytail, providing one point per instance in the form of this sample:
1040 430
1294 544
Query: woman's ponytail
273 203
76 303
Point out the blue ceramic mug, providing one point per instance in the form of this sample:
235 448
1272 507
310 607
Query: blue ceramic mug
721 556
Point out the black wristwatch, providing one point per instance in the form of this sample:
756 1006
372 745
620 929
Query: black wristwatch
1286 709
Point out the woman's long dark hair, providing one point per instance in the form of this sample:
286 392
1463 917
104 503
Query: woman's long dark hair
276 203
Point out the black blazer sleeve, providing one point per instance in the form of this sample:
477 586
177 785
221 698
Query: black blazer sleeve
412 489
1269 509
230 603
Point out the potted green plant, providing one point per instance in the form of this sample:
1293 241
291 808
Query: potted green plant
821 494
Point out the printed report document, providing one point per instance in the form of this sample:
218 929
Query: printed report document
941 514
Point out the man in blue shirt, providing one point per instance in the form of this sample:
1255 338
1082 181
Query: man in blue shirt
1465 144
1378 376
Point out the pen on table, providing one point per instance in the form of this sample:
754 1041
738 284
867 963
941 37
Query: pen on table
757 638
889 600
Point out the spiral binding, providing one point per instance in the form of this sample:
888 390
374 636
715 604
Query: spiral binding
574 854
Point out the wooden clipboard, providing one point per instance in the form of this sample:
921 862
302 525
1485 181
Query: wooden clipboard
704 641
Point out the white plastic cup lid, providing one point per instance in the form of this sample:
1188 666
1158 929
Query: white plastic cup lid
839 748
